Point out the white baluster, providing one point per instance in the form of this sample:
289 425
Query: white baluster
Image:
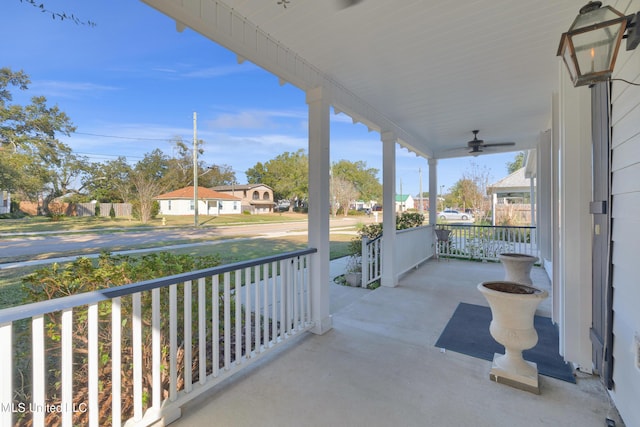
116 361
39 371
67 367
92 320
202 331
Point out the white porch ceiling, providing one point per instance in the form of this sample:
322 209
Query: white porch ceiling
429 71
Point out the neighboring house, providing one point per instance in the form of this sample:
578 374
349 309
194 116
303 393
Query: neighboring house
511 199
5 202
404 202
256 198
421 204
180 202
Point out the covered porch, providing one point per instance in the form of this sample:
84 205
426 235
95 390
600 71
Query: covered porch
379 366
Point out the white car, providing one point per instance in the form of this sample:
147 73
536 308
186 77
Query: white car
451 214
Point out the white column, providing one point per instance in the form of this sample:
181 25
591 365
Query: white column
433 191
494 204
543 191
575 224
389 276
319 203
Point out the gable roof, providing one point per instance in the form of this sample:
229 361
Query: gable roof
402 197
239 187
203 193
515 182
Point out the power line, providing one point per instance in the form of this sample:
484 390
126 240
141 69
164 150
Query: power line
115 156
124 137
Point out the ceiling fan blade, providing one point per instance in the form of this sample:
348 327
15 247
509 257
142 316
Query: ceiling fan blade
499 144
343 4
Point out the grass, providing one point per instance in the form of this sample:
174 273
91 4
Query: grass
11 293
35 224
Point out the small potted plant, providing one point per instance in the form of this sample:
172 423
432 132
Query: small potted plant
353 272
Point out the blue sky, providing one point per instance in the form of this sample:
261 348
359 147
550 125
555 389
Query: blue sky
131 84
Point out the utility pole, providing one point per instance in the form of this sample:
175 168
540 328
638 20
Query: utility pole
420 173
401 198
195 171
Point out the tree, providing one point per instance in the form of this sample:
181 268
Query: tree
287 174
364 180
218 175
109 181
149 179
344 192
518 163
63 16
464 193
480 177
181 168
32 160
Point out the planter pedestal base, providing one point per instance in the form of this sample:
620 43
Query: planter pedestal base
524 379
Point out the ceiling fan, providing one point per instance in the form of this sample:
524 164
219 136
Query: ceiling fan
477 145
342 4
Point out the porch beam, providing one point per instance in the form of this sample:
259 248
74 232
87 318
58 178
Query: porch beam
433 191
389 275
319 202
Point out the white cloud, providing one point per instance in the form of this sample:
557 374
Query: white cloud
62 89
257 119
219 71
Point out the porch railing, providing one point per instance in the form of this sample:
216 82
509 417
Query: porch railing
371 260
486 242
136 353
413 246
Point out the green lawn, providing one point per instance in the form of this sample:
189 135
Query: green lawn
11 280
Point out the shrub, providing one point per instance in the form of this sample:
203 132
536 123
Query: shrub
81 276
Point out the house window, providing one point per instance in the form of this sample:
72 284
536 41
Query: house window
191 205
235 206
168 205
255 196
265 196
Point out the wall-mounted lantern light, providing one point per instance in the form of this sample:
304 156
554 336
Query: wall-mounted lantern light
590 47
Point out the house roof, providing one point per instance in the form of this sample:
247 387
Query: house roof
239 187
513 182
203 194
402 197
427 72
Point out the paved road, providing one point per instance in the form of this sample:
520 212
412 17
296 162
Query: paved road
31 246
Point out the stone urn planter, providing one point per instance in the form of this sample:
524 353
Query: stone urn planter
353 279
513 307
517 267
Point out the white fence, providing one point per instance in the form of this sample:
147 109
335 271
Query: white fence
486 242
135 354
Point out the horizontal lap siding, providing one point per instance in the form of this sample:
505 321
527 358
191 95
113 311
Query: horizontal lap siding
626 231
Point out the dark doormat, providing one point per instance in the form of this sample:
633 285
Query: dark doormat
468 333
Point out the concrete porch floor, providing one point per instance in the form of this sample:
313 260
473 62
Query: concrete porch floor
378 366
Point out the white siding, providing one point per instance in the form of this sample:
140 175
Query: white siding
5 202
626 231
205 207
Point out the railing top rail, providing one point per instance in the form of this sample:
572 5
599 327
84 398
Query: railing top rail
13 314
370 241
405 230
527 227
410 229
